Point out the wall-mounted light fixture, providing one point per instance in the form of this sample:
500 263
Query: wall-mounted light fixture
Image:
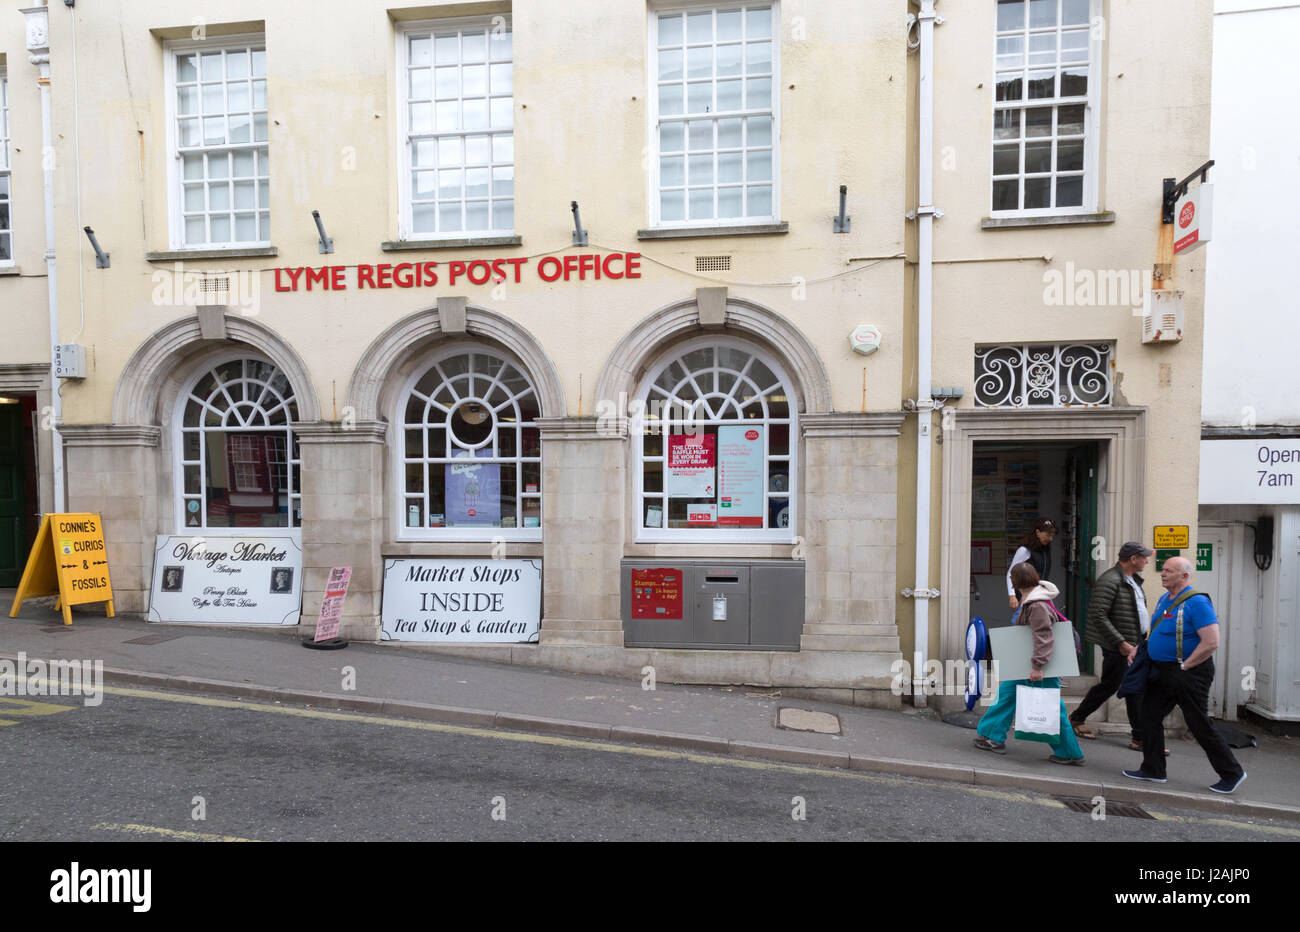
579 234
101 257
326 245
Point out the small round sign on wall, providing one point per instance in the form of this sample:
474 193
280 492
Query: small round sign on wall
865 339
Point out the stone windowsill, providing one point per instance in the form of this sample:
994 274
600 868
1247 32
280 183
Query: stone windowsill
1062 220
469 242
755 229
181 255
10 270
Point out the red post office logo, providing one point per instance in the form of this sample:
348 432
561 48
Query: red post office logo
751 435
1186 214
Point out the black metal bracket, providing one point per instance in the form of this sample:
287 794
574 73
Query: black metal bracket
841 224
1174 191
579 234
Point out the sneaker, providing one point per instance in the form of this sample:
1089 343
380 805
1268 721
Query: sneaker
1227 786
1074 761
988 744
1143 775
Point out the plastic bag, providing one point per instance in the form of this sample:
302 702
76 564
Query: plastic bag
1038 713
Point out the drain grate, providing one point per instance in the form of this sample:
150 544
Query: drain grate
154 638
301 812
1127 810
58 628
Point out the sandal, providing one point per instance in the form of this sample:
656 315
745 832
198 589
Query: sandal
1137 746
1081 731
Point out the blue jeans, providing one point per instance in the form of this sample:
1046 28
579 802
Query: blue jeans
999 718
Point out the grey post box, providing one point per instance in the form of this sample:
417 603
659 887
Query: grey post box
720 609
721 604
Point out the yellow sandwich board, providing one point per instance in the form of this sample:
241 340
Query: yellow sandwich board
68 560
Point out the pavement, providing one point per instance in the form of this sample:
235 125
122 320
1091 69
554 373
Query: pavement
411 682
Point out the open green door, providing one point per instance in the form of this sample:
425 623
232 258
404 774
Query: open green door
13 496
1079 521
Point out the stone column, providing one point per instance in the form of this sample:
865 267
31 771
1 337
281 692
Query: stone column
850 521
583 481
343 519
114 470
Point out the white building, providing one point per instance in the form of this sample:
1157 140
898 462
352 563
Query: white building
1249 554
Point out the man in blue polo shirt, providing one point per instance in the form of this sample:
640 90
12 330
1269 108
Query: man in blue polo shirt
1183 636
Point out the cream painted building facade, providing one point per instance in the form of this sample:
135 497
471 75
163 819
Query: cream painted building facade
239 375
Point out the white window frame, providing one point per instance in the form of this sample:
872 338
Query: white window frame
6 169
653 120
180 496
397 448
175 184
716 535
1091 124
406 220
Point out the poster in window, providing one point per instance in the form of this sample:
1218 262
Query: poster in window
740 476
473 493
691 465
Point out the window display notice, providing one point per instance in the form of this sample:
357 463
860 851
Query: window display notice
657 593
691 459
473 494
462 601
227 579
702 515
740 476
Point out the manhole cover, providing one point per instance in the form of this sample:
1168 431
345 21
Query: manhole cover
154 638
1125 810
805 720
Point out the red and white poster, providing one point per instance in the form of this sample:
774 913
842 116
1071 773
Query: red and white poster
740 476
657 593
331 607
1193 218
691 462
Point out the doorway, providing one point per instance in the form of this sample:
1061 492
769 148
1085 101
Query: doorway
18 494
1013 486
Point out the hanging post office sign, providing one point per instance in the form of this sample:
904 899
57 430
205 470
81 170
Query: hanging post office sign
219 579
465 601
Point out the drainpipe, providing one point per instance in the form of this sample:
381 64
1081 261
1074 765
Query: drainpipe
38 53
925 213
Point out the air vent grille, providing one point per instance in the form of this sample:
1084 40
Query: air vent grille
713 263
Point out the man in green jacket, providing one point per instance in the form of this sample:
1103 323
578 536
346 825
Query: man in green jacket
1118 621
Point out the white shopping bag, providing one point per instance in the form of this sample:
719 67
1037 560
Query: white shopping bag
1038 711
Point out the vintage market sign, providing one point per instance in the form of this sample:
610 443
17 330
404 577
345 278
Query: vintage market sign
446 601
1250 472
577 266
68 559
227 579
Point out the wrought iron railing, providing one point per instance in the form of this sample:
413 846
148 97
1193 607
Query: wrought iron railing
1053 375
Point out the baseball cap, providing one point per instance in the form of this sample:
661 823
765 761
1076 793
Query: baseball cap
1132 549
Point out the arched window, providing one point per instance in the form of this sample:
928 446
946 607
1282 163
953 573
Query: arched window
716 452
237 458
471 459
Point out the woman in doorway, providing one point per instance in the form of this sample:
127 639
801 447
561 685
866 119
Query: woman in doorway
1036 550
1036 596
